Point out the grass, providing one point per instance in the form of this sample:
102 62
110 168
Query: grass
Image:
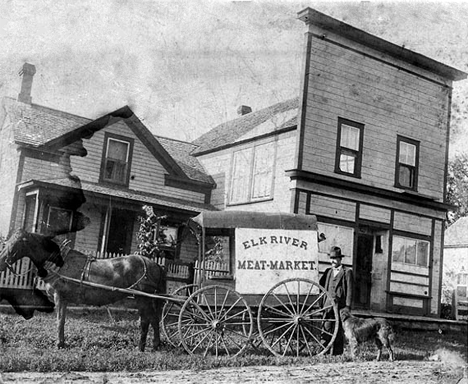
97 343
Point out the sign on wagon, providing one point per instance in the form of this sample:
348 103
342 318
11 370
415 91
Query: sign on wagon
265 257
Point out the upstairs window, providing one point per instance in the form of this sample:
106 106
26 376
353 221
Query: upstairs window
116 160
406 175
349 148
252 174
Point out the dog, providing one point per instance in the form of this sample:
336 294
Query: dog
359 330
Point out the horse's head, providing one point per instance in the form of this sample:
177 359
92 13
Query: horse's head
39 248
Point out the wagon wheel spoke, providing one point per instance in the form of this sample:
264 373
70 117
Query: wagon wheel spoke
279 312
291 321
223 322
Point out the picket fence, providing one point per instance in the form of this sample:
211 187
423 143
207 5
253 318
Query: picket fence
23 275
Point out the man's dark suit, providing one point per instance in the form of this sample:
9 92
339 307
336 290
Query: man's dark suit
340 289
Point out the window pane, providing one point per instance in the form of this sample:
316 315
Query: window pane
240 176
115 171
406 176
410 255
423 253
117 150
347 163
59 219
262 171
398 250
350 137
407 153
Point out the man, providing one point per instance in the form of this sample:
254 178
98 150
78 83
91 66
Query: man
338 282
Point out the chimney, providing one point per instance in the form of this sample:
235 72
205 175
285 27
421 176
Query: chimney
27 72
243 110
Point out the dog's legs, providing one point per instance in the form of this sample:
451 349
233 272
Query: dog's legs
379 346
387 345
353 343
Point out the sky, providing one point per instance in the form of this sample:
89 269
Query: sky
182 66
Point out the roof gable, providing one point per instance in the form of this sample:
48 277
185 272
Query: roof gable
253 124
176 165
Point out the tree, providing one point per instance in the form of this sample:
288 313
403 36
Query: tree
151 233
457 187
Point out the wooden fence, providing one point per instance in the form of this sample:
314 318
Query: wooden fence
178 271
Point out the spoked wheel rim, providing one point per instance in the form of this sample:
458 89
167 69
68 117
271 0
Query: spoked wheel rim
291 320
215 320
170 315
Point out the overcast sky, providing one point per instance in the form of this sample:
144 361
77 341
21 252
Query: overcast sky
183 67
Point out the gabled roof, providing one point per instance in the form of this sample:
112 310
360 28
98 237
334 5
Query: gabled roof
266 120
181 152
51 130
457 234
35 125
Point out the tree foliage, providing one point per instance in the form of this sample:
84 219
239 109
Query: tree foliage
457 187
151 234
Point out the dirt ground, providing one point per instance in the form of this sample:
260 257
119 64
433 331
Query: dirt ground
408 372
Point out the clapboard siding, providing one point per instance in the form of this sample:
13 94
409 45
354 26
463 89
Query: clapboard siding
388 101
9 158
88 238
148 175
409 289
413 223
369 212
408 302
336 208
437 267
402 278
219 164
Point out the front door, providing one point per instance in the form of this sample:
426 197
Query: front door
363 270
120 231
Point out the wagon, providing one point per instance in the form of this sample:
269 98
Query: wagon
268 298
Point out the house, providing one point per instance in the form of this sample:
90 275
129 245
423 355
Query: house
91 178
455 278
363 147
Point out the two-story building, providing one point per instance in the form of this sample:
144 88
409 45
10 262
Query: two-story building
91 178
364 147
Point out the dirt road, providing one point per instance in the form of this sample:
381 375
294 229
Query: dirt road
407 372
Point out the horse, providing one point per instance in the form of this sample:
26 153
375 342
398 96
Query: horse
26 301
76 278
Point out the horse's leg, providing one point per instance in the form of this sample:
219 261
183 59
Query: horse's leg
144 324
61 314
156 314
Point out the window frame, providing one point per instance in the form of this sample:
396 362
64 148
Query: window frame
416 255
344 150
250 176
110 136
416 143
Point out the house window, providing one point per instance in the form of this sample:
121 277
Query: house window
252 174
116 160
407 163
59 219
410 251
349 148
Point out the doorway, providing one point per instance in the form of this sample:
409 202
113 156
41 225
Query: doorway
120 231
363 271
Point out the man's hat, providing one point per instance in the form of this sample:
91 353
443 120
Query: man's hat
335 252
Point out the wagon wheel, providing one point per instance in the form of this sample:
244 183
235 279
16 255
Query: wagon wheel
170 314
292 324
215 320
